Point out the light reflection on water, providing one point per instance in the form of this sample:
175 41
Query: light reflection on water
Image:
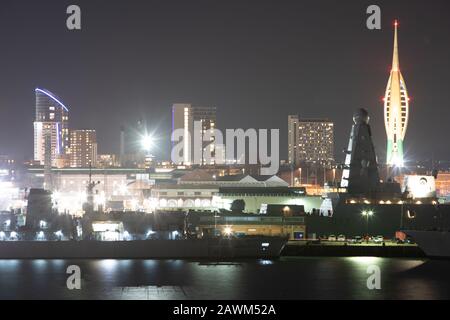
286 278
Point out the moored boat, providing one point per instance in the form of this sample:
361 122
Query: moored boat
213 248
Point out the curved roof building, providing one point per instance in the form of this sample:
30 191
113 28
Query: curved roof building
51 122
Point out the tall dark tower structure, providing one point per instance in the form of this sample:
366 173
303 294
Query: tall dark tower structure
360 175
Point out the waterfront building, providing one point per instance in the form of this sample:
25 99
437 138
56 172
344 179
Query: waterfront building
83 148
396 110
107 161
8 168
51 133
229 224
116 188
258 200
183 197
213 197
239 180
443 185
183 117
6 161
310 141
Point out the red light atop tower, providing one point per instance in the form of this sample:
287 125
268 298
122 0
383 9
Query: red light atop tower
395 23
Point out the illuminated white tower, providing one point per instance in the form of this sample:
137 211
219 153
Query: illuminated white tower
396 110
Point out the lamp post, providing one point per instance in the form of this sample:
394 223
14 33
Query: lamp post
401 215
367 214
215 224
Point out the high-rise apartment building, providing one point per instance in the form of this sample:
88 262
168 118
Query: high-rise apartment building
183 117
310 140
83 148
51 133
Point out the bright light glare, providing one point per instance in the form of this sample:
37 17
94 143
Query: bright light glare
398 162
227 231
147 142
42 224
40 235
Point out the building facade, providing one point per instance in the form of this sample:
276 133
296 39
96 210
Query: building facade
107 161
443 185
115 188
292 227
51 131
83 148
184 116
396 110
310 140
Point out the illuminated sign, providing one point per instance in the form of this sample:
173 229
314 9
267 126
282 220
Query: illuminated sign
419 186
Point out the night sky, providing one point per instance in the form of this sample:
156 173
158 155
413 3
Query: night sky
256 61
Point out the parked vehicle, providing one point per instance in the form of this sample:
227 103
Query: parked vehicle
378 239
331 237
356 239
341 237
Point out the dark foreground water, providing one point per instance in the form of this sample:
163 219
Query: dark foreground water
286 278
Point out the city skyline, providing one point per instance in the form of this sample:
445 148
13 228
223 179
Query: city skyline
224 158
248 84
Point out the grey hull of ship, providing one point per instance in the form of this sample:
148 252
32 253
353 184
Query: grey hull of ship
435 244
146 249
386 220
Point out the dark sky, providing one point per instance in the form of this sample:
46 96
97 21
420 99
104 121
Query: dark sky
256 61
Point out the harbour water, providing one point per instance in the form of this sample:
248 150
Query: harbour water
285 278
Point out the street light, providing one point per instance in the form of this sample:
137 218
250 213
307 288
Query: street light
367 214
215 224
228 231
147 144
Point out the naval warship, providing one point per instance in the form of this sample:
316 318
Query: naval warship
214 248
364 204
36 240
435 244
